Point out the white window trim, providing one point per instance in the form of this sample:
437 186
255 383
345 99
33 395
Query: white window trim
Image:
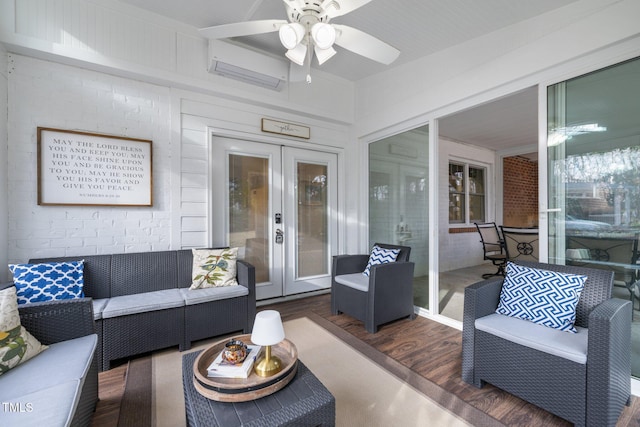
489 193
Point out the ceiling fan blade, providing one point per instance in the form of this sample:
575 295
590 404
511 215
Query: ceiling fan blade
364 44
335 8
238 29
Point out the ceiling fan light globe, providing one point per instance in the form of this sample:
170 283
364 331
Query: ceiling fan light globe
297 54
323 34
324 55
291 34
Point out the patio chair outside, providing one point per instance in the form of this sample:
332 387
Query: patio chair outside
521 244
613 253
493 247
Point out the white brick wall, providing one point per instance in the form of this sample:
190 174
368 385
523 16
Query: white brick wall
49 94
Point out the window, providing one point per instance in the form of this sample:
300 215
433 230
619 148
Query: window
467 197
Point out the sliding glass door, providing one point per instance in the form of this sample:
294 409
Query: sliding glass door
398 200
594 178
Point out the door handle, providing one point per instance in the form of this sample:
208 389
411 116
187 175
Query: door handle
279 236
551 210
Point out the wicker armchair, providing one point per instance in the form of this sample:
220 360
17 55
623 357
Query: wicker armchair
385 296
592 392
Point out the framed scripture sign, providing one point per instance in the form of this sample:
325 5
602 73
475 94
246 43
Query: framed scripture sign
81 168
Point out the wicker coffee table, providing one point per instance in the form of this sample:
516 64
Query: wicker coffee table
304 401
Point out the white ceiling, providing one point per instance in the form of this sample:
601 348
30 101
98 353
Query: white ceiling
502 124
417 28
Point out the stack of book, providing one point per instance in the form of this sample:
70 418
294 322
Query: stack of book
222 368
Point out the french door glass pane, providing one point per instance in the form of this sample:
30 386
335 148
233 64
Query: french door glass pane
249 210
313 249
594 178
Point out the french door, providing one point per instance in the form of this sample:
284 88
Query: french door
278 205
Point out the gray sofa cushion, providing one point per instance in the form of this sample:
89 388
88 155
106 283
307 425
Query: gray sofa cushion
51 406
61 362
558 343
354 280
141 303
98 307
199 296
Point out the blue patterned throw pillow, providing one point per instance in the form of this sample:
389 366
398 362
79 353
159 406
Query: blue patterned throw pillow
48 281
541 296
380 256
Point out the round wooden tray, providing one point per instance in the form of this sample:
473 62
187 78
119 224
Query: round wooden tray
244 389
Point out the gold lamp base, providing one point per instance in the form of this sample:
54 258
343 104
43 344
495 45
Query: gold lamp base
269 365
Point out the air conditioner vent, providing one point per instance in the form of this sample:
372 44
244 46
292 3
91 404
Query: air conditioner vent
246 65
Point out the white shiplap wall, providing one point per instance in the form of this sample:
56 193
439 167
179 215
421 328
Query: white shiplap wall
114 37
96 28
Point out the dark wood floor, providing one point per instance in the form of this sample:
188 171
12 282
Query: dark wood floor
428 348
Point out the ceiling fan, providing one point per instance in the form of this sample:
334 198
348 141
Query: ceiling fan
308 31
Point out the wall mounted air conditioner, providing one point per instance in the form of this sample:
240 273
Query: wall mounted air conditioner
249 66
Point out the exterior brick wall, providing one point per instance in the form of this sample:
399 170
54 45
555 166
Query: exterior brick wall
520 204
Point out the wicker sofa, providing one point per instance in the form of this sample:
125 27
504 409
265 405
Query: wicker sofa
584 377
142 302
58 387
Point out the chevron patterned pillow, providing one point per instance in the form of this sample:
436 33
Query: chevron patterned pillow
380 256
541 296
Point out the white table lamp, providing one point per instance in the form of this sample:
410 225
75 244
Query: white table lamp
267 331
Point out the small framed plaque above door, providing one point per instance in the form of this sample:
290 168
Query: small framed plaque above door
283 128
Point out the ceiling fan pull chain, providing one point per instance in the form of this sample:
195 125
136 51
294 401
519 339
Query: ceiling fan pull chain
309 54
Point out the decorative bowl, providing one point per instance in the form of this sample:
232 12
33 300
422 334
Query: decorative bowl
235 351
